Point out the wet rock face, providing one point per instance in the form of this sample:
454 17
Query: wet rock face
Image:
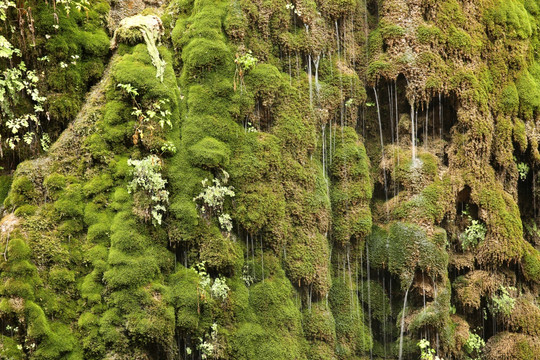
330 179
121 9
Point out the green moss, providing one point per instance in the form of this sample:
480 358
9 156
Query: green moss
307 261
508 18
530 263
18 249
272 302
54 183
512 345
404 248
5 185
203 56
22 192
25 210
351 189
378 300
94 43
504 239
510 99
428 34
353 335
520 135
70 202
390 31
529 94
459 40
11 348
61 278
319 325
98 185
183 295
209 153
220 252
378 69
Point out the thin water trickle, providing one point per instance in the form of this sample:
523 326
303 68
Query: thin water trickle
396 112
262 259
290 70
384 316
400 357
310 81
413 131
391 108
441 121
382 147
253 255
337 37
369 297
426 127
424 290
350 279
316 62
330 153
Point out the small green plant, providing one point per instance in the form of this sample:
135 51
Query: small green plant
474 347
147 178
147 116
204 283
426 352
293 8
220 289
473 234
18 84
244 63
212 198
246 276
501 302
206 346
523 170
168 148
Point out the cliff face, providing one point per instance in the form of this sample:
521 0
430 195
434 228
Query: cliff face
243 179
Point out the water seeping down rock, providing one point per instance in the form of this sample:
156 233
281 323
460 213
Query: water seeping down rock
240 179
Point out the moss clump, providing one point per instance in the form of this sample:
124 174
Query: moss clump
352 333
529 94
307 261
5 185
509 19
272 302
185 297
22 192
508 345
351 189
404 247
209 153
320 330
525 316
510 99
530 264
70 202
428 34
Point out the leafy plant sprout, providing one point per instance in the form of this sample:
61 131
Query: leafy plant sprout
212 198
146 116
244 63
147 178
473 234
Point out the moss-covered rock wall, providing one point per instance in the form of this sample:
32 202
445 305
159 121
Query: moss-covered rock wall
274 180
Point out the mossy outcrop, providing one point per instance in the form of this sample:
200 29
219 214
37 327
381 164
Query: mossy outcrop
329 179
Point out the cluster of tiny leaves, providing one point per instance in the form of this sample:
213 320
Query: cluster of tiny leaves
212 198
147 177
